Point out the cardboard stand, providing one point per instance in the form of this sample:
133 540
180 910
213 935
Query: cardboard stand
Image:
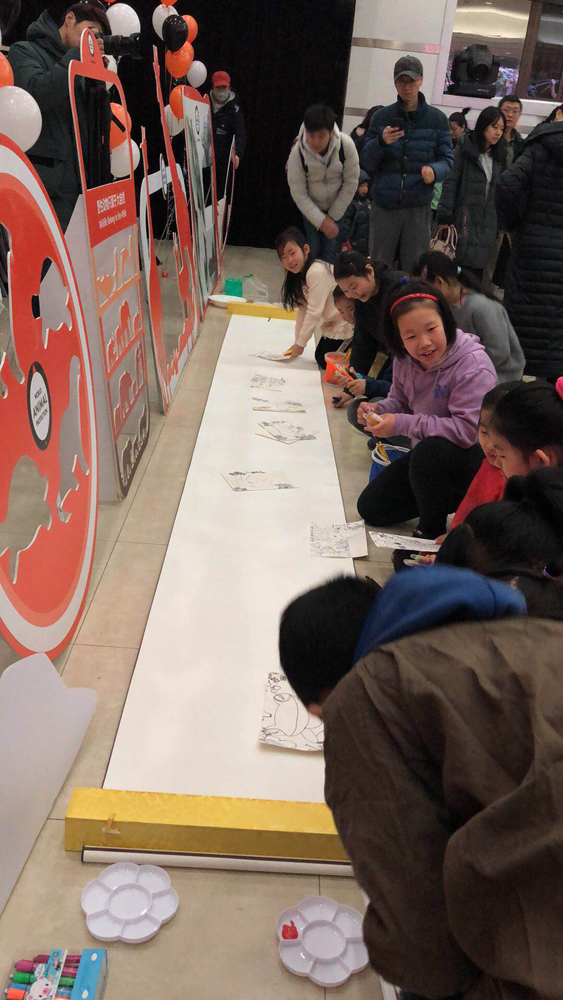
114 298
49 468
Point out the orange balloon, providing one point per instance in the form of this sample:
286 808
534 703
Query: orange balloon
192 26
6 74
178 63
168 3
193 93
116 134
176 101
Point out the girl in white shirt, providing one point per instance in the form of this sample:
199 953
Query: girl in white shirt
308 287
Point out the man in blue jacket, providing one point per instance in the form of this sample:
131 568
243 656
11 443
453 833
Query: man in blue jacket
407 150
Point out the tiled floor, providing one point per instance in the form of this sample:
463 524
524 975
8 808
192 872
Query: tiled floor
222 945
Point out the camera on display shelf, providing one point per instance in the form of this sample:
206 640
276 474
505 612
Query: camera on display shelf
123 45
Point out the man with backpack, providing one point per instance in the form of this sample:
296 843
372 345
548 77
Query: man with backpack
323 172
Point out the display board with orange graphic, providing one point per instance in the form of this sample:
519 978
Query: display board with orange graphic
111 224
174 338
49 468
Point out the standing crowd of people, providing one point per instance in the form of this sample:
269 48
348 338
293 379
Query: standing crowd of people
442 692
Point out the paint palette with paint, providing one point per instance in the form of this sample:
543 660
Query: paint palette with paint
323 940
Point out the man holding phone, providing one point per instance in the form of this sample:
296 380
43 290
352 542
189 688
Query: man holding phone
407 150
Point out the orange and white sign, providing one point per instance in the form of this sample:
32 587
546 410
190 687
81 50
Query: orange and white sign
169 368
49 468
112 232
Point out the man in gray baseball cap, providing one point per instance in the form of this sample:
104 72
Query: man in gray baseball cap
407 150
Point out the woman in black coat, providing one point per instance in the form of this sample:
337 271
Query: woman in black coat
530 207
468 193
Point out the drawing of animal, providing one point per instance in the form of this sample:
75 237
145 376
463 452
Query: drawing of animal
127 460
71 447
124 404
143 425
53 303
111 354
123 332
139 367
27 482
40 989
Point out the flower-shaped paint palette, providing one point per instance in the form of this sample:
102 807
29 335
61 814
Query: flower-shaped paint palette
128 902
322 940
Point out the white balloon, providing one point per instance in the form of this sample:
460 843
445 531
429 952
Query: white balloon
198 74
123 20
175 125
112 66
120 159
160 14
20 117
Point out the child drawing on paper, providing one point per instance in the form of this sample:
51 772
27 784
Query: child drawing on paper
285 721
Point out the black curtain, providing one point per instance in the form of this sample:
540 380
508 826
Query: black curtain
282 55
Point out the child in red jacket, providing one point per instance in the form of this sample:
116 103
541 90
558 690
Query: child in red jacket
489 482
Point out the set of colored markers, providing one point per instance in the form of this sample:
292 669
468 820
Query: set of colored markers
59 976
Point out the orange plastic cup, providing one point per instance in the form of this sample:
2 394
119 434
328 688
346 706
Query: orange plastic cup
336 358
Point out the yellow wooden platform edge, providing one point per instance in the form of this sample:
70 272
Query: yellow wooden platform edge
261 309
198 824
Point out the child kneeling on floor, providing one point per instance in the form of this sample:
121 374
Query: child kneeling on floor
440 376
308 287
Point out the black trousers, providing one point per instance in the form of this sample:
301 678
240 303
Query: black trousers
430 482
325 346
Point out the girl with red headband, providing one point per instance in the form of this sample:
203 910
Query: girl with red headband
440 376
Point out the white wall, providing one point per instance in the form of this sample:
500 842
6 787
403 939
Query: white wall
370 76
406 23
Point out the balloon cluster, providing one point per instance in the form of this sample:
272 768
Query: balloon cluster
123 20
20 117
178 33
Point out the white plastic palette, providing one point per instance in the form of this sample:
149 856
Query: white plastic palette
323 940
223 300
128 902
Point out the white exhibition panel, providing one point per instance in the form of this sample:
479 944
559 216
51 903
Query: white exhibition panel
42 725
193 712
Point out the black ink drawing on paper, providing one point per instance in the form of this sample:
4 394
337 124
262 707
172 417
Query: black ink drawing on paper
286 723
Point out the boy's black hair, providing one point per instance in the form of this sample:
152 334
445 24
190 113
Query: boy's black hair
351 264
489 116
433 297
88 12
319 632
319 117
337 293
510 99
524 529
530 416
434 264
292 289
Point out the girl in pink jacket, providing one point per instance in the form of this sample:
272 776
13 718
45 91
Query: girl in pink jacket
440 376
308 287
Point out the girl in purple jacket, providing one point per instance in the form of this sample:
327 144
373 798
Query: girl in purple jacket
440 376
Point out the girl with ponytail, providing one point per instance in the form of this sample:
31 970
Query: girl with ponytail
475 312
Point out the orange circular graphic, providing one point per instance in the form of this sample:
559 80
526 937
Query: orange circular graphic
47 422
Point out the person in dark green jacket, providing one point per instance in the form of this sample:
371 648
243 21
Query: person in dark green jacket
40 66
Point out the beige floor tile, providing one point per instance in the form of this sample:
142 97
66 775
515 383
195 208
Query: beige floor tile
188 407
107 670
152 515
111 515
365 984
220 946
118 613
